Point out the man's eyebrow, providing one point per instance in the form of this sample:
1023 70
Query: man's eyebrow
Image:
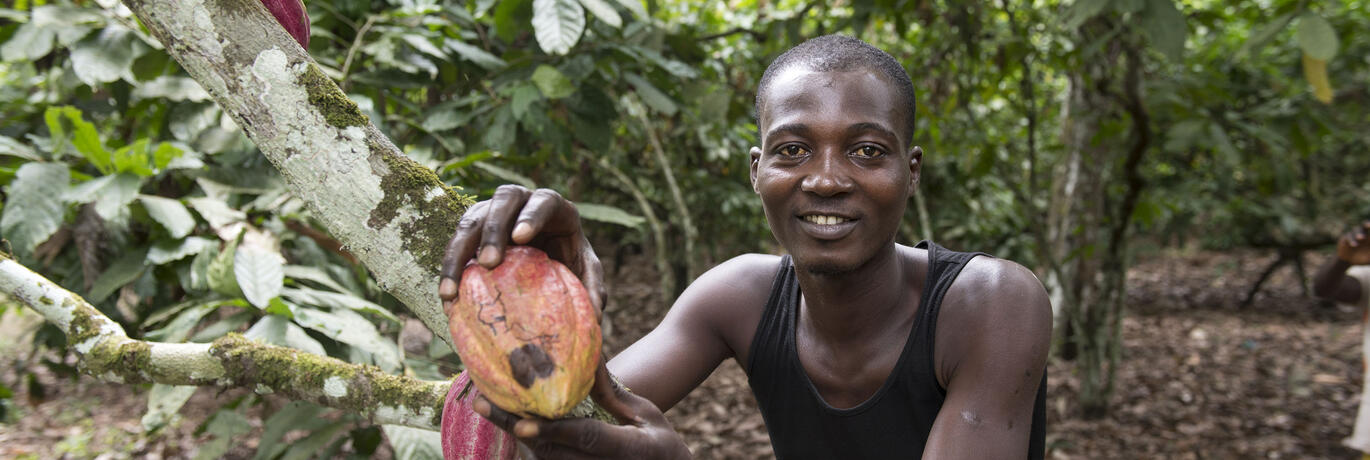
868 126
794 128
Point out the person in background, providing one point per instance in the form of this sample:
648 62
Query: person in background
1346 280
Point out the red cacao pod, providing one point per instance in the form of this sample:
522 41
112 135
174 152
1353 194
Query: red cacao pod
527 333
465 434
291 15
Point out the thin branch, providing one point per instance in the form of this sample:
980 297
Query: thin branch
106 352
685 221
352 51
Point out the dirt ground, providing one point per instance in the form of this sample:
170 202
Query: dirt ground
1200 378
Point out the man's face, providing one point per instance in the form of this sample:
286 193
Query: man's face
832 172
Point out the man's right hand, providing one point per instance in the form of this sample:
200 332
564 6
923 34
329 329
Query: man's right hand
1354 247
540 218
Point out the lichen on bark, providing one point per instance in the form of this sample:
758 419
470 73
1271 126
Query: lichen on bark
407 182
337 109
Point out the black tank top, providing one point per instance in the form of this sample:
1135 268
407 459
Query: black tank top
892 423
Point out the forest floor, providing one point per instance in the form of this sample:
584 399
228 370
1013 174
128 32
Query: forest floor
1200 377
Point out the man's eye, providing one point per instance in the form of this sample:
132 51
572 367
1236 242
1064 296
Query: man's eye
869 151
791 150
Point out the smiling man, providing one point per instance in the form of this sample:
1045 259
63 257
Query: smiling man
855 346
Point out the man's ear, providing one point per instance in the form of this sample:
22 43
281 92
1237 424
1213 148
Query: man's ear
915 166
756 160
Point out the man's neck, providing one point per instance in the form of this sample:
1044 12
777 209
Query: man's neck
858 303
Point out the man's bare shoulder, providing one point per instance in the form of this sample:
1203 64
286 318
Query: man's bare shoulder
745 279
996 313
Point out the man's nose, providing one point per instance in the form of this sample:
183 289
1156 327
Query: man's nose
828 176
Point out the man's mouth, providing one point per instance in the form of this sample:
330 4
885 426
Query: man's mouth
825 220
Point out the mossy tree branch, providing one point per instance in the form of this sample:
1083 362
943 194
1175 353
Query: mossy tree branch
106 352
389 211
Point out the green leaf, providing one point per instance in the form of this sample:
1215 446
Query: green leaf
609 214
1316 37
1262 35
165 153
306 273
424 46
168 251
476 55
171 214
106 57
199 271
260 274
278 330
413 442
28 43
14 148
310 446
604 12
293 416
33 206
1165 28
163 403
116 194
1083 10
221 273
176 330
505 174
353 329
134 158
216 211
224 426
325 299
552 83
232 323
278 307
123 271
636 7
557 24
85 138
523 98
651 96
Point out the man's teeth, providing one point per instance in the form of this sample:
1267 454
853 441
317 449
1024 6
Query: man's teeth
825 220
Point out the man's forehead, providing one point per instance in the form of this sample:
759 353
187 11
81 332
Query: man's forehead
797 95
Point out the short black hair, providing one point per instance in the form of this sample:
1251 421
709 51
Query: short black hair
840 53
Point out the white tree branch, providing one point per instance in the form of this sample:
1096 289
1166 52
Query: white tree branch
106 352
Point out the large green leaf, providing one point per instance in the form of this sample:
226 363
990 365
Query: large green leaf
1260 36
84 137
552 82
225 425
107 56
260 274
33 206
216 211
505 174
610 214
1165 28
171 214
171 87
557 24
14 148
1316 37
168 251
295 415
1082 10
179 327
124 270
221 277
314 274
278 330
29 42
311 445
325 299
353 329
163 403
603 11
476 55
413 442
651 96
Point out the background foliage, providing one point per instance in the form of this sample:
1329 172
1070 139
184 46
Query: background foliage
124 182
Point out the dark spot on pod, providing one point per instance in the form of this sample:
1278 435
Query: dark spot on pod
530 363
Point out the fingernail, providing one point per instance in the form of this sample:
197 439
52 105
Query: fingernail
447 288
525 429
488 254
481 407
521 232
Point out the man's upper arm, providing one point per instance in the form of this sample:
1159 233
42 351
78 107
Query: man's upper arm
715 315
998 334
